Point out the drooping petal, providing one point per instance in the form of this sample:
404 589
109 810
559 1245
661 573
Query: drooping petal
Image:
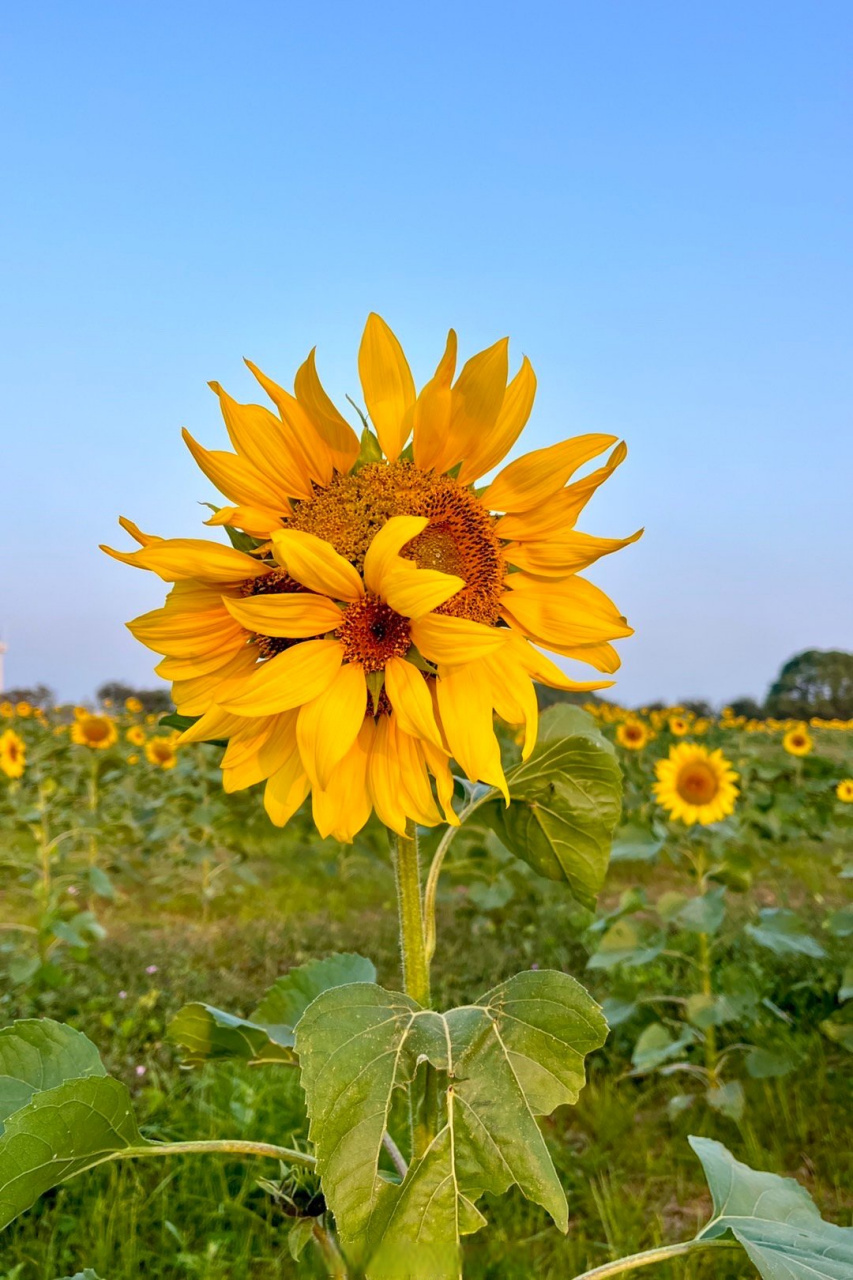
333 429
179 559
258 522
514 694
329 724
567 612
383 554
342 808
465 707
286 788
296 616
262 755
414 780
541 668
259 437
491 448
144 539
532 479
316 564
439 767
383 776
559 557
560 511
237 478
452 640
197 694
410 698
431 415
388 385
288 680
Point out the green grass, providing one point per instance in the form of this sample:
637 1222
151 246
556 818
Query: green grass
632 1180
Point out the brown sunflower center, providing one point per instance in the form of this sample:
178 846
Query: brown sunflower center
460 537
96 730
162 751
633 732
697 783
371 633
12 752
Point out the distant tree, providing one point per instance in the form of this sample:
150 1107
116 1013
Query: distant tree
37 696
814 683
117 692
747 707
699 707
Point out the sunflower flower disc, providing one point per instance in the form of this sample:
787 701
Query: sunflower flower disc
377 609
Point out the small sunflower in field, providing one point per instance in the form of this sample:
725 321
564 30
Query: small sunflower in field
162 752
133 705
678 726
133 759
135 735
633 734
13 754
844 790
798 742
95 731
695 785
23 710
379 608
7 710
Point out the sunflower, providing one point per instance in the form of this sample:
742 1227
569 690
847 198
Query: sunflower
97 732
23 710
377 608
13 754
633 734
162 752
695 785
133 705
844 790
678 726
135 735
7 711
798 742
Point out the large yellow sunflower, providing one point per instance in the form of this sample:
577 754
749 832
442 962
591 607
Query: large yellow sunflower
13 754
379 608
695 784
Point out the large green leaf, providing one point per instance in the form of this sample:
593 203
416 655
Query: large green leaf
513 1055
37 1054
58 1134
566 800
266 1036
784 933
565 720
774 1218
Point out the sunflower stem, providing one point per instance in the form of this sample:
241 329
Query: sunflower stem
412 942
650 1256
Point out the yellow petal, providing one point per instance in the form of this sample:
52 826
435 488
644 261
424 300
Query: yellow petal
561 511
514 694
295 616
311 453
416 594
333 429
196 695
541 668
179 559
410 698
259 437
567 612
439 767
559 557
414 780
329 724
215 723
383 554
236 478
259 522
475 403
189 668
431 415
601 656
261 755
465 707
196 634
383 777
288 680
490 448
388 385
343 807
535 477
286 789
450 640
316 564
144 539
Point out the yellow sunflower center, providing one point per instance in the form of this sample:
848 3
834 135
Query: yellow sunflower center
460 537
372 633
697 783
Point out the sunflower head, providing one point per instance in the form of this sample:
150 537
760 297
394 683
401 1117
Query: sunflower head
7 710
23 710
695 785
133 705
94 731
844 790
161 752
798 742
678 726
632 734
135 735
13 754
381 609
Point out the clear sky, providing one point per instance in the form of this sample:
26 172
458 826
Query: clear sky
653 200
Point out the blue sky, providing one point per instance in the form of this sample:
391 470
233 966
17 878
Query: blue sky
653 200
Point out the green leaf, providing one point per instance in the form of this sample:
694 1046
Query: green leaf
38 1054
58 1134
88 1274
762 1064
633 843
729 1099
299 1235
774 1218
624 944
175 721
782 932
566 800
266 1036
565 720
845 991
715 1011
840 923
655 1046
703 914
370 450
515 1054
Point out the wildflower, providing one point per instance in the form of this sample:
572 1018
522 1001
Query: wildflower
695 785
97 732
151 968
13 754
633 734
140 1070
388 608
797 742
122 995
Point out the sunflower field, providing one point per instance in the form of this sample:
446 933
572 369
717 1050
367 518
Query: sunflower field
393 951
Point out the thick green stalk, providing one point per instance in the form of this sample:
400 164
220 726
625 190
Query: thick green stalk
412 943
650 1256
